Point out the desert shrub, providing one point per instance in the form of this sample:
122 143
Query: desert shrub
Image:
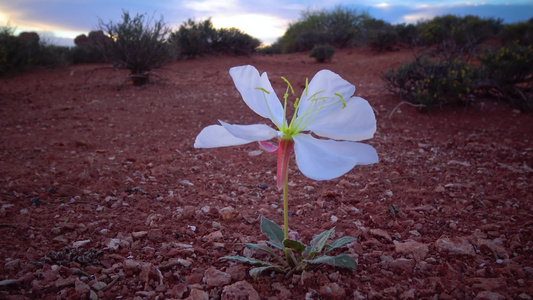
338 27
509 74
234 41
433 83
458 35
380 35
274 48
12 58
322 53
201 38
26 51
521 33
137 44
408 34
194 38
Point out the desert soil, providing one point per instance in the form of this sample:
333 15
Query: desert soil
104 197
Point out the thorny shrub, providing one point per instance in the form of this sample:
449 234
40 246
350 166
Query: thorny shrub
136 44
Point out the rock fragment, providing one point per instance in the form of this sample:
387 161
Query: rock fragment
456 246
241 290
216 278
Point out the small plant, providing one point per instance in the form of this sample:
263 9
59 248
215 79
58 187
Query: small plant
322 53
136 44
301 257
326 109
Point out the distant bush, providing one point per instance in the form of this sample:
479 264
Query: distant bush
136 44
433 83
26 51
458 35
234 41
322 53
408 34
521 33
338 28
194 38
201 38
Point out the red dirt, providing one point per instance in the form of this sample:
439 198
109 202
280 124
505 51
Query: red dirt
103 195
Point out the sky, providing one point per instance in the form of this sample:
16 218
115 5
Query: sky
60 21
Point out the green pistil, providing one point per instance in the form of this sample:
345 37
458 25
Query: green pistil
299 124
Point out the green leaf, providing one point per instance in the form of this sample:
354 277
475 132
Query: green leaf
294 245
338 243
266 249
246 260
341 260
273 231
318 242
254 272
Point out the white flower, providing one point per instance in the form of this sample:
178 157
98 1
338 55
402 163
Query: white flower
325 109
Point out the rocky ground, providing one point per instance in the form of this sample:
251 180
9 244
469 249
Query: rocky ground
103 195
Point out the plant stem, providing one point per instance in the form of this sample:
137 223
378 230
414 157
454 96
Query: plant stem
286 214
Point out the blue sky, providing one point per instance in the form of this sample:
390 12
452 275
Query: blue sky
59 21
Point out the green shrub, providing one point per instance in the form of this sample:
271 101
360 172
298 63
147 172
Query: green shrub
521 33
234 41
458 36
322 53
201 38
12 58
194 38
26 51
509 74
136 44
338 27
408 34
433 83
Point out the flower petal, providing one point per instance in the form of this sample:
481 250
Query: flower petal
355 122
252 133
217 136
247 80
325 84
328 159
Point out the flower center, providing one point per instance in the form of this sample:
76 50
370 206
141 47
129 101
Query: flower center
301 119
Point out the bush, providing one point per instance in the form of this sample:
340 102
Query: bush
196 39
136 44
234 41
338 28
509 74
457 36
433 83
322 53
521 33
26 51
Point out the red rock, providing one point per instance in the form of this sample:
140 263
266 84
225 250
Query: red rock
217 278
486 295
241 290
416 249
332 291
81 287
456 246
381 233
197 294
403 265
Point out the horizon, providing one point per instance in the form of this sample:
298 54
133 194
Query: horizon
59 23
